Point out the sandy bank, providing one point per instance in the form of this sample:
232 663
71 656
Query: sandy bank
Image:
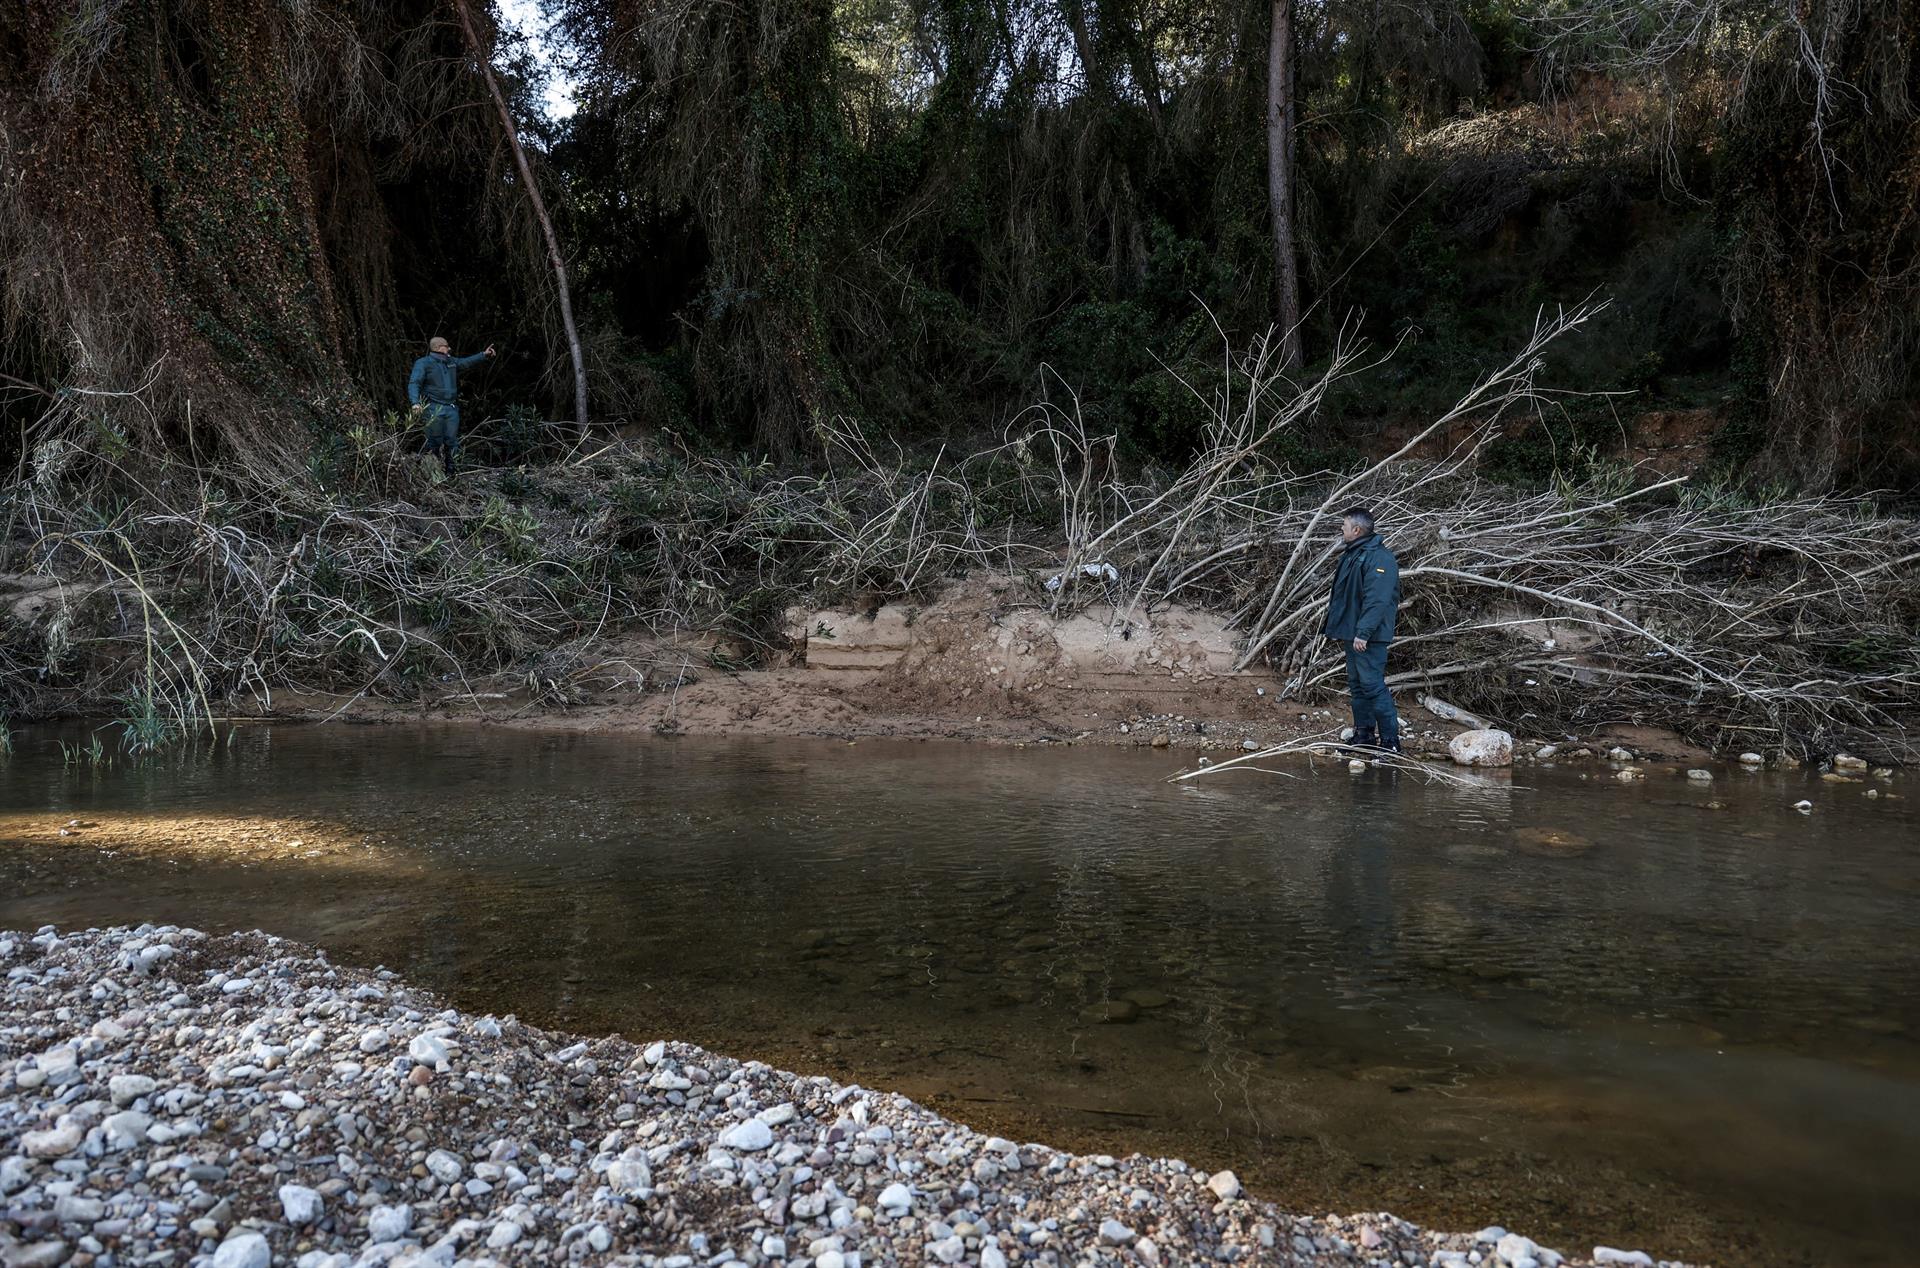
170 1097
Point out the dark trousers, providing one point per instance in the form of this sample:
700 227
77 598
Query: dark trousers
1367 686
443 431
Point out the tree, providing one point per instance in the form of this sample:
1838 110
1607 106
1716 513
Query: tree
1280 173
539 206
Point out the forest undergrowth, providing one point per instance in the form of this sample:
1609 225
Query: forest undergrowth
167 591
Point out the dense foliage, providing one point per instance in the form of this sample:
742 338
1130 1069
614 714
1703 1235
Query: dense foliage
925 214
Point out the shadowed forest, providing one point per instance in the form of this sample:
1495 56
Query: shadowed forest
865 291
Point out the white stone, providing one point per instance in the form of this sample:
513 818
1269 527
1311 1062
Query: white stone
125 1089
1224 1185
1752 759
599 1239
389 1223
1490 1234
428 1050
126 1129
896 1199
1700 776
446 1167
1513 1248
1608 1255
243 1250
1546 751
831 1259
667 1081
373 1040
656 1052
504 1234
1481 748
1114 1233
73 1209
629 1175
748 1137
55 1142
1847 761
773 1246
1356 765
15 1174
948 1250
300 1204
991 1256
775 1115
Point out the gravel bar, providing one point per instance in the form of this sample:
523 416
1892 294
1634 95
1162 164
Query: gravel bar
173 1097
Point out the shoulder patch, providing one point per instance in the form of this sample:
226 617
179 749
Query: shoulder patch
1379 569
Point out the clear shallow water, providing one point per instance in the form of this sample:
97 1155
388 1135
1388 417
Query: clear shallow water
1586 1010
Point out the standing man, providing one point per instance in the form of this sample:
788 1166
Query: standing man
434 390
1360 616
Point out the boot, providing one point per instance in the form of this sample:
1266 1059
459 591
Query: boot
1389 740
1363 738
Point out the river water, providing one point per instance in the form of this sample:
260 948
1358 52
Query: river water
1665 1015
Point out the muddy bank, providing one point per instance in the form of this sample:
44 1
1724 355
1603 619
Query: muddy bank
239 1101
981 663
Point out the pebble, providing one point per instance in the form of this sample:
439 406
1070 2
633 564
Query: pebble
389 1223
948 1250
300 1204
291 1128
243 1250
748 1137
36 1254
125 1089
56 1141
446 1167
1224 1185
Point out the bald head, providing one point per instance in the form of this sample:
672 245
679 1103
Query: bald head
437 344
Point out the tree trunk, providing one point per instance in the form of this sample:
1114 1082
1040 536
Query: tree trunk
1083 45
1286 271
539 211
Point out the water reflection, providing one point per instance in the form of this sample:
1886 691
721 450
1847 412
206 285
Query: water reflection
1650 1014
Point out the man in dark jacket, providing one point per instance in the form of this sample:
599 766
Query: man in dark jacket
1360 616
433 389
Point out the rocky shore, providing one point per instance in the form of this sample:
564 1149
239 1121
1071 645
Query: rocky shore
170 1097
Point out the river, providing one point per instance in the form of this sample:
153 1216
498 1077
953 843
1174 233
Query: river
1665 1014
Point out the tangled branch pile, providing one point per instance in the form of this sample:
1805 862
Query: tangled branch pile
158 587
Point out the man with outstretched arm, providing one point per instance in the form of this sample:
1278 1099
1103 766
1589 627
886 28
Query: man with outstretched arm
434 390
1360 616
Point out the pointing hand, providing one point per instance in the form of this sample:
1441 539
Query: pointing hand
489 349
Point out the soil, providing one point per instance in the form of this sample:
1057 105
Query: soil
985 663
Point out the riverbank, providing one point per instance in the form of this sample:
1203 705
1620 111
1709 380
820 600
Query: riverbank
982 662
243 1101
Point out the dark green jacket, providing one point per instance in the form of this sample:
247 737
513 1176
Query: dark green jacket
1366 593
436 379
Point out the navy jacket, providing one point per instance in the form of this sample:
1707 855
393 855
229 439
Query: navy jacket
1366 593
436 378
